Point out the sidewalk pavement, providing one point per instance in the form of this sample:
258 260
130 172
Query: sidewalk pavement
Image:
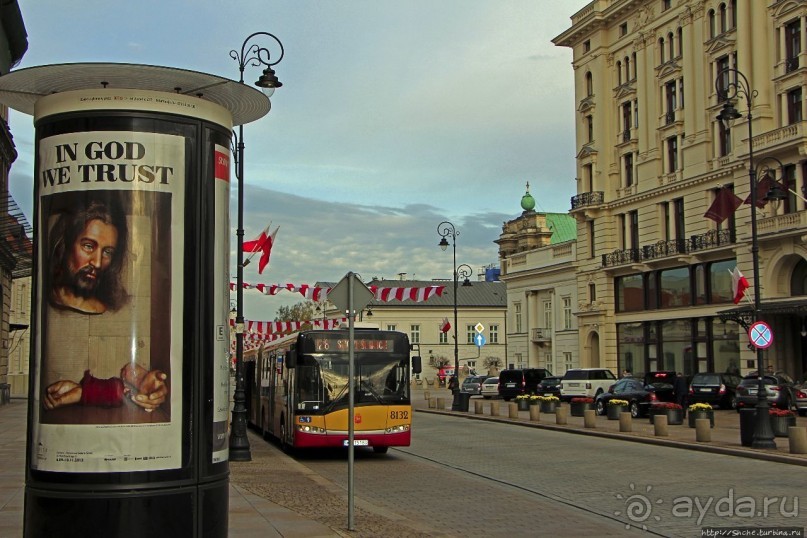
276 496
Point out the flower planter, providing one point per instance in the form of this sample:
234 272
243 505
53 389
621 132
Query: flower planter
613 411
695 415
779 425
675 417
549 407
523 405
577 409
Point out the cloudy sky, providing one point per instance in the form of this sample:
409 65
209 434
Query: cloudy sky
393 116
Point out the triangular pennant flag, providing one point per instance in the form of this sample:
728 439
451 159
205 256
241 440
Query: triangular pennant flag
738 284
264 245
723 206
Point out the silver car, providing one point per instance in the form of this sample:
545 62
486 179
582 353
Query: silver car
473 384
490 388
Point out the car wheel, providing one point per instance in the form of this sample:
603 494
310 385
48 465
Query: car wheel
599 391
635 412
733 402
600 405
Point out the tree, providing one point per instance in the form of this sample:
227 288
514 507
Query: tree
299 312
493 364
439 361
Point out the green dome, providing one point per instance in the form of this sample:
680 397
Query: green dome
527 201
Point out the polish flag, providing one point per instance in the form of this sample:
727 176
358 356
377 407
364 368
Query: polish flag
738 284
263 245
445 326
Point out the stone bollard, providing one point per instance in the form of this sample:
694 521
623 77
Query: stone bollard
478 407
535 413
703 430
561 414
512 410
660 427
797 436
441 403
625 422
432 403
494 409
589 418
426 394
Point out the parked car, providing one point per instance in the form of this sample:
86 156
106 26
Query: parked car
549 386
490 388
663 383
716 389
801 397
779 389
473 384
590 382
640 396
520 381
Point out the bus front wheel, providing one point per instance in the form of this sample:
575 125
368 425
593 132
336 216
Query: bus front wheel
380 449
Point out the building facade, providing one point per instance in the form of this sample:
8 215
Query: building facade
654 282
537 257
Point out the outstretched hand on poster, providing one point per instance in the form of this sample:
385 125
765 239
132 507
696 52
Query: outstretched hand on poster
147 389
61 393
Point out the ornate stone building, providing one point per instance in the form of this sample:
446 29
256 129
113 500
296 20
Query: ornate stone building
653 271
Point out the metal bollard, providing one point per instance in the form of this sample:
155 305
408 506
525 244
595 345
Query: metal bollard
535 413
660 427
703 430
589 418
561 414
494 409
478 406
625 422
512 410
797 437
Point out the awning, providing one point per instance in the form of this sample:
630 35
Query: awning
744 314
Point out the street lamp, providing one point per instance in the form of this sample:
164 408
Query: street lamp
446 229
268 82
730 84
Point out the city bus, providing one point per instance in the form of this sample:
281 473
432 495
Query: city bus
299 389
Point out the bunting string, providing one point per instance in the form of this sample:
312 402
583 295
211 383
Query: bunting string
317 294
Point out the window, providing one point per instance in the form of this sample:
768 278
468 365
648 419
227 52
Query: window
666 4
517 314
723 18
414 334
722 65
661 50
711 23
548 314
674 288
665 220
586 46
626 107
789 184
636 113
622 222
633 77
590 127
629 293
470 333
592 292
669 99
671 45
792 45
567 313
589 84
724 139
588 177
391 327
619 73
672 154
794 114
443 338
591 240
681 93
567 360
628 169
720 281
634 230
627 69
493 333
519 361
680 43
623 29
678 216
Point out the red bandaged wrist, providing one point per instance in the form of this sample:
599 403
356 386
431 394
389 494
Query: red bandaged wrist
103 392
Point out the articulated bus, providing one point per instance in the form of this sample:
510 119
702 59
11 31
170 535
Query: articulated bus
299 387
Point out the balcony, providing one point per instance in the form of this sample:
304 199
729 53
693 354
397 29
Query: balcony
669 118
540 335
587 199
673 247
626 135
791 64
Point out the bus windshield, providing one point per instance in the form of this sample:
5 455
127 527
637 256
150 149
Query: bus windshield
322 381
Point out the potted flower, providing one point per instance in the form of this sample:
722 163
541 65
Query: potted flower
523 401
674 412
549 403
700 410
615 407
535 399
578 406
781 420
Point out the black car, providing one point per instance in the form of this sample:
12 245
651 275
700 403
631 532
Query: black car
473 384
523 381
715 389
640 396
549 386
779 389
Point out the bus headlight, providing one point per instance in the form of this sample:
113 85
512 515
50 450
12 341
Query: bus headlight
398 429
307 428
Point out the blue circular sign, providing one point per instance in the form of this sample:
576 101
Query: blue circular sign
760 334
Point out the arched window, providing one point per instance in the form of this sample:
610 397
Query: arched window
711 23
798 279
627 69
723 19
661 49
671 45
734 13
589 84
619 73
680 42
634 67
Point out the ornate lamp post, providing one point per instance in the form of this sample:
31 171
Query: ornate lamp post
731 84
446 229
268 82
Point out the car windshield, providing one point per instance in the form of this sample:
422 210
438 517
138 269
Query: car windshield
755 381
492 381
702 379
548 381
511 376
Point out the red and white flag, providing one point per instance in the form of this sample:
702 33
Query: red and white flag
738 284
445 326
263 245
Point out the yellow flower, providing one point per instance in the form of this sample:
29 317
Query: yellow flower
617 402
700 407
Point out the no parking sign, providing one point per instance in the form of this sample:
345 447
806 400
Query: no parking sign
760 334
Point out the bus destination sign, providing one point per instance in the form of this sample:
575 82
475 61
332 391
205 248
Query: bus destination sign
324 344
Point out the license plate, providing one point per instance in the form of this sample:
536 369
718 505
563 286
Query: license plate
752 391
510 385
357 442
574 384
706 390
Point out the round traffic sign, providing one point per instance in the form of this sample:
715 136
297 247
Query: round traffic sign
760 334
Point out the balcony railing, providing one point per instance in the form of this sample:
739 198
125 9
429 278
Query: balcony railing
669 117
626 135
585 199
791 64
672 247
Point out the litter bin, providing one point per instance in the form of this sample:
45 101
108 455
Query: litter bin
5 393
747 420
461 401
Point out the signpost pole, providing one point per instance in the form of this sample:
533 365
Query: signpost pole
351 401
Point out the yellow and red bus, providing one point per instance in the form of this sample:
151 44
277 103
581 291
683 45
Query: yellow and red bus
300 389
